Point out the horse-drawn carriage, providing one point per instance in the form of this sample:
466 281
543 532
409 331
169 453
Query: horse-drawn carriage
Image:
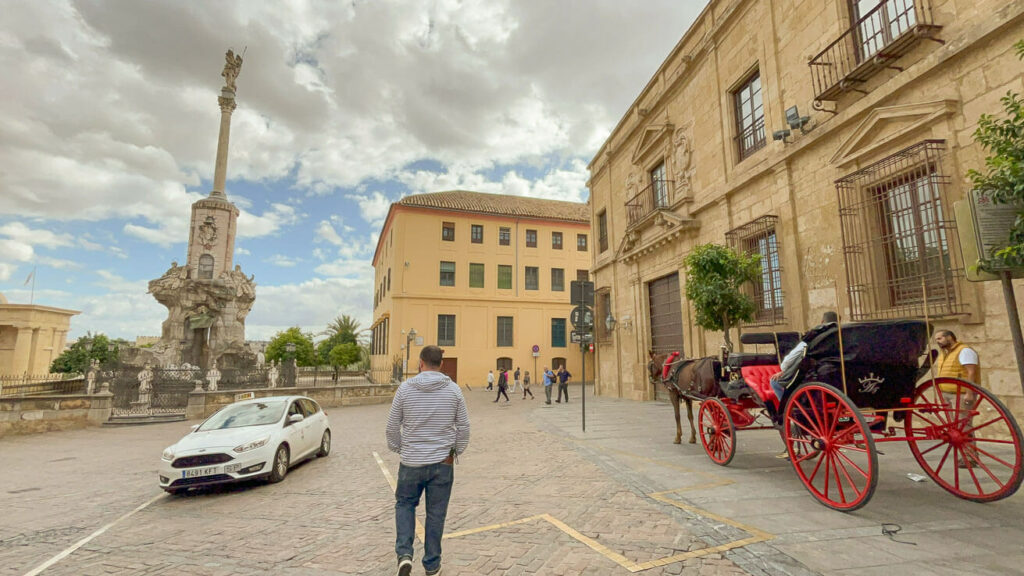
843 391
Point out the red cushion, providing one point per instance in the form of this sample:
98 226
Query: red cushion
668 365
758 378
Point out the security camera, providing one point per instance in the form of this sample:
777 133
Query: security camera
781 135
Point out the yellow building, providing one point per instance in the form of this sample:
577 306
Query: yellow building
31 336
832 137
484 276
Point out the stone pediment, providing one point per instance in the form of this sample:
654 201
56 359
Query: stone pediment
886 124
652 136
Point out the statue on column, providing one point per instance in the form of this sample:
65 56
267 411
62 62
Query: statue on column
146 386
272 375
90 377
232 67
212 376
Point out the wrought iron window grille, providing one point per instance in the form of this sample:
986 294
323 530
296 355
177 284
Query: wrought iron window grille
759 237
898 233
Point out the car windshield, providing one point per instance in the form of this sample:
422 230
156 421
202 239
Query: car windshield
254 414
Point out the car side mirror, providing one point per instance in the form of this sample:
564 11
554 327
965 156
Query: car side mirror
195 427
295 418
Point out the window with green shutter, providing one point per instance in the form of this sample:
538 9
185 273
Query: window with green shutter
504 276
476 275
558 332
447 273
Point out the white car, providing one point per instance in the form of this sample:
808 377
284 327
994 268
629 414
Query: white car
258 438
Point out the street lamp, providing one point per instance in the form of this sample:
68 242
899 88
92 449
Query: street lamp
408 346
289 349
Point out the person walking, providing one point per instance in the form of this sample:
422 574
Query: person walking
490 379
957 360
502 385
549 379
428 427
526 386
516 382
563 383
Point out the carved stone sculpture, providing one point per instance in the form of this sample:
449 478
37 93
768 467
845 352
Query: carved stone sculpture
232 68
145 386
681 159
212 377
272 375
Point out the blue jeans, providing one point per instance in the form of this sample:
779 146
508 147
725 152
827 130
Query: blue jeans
436 480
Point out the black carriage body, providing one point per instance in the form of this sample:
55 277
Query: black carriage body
881 360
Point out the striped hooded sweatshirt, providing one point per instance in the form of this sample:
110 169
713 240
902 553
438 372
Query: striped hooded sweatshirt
428 418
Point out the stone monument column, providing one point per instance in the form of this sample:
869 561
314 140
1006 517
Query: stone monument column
232 68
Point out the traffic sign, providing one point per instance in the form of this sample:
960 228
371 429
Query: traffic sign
582 317
581 292
578 336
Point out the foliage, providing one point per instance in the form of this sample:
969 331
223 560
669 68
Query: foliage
323 349
343 324
1003 178
344 354
715 275
77 358
304 353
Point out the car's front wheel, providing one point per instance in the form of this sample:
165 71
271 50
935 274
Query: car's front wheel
325 444
279 469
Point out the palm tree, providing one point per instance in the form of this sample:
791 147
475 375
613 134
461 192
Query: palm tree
343 324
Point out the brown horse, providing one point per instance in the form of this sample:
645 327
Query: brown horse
696 377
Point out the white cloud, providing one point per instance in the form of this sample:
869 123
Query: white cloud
326 233
6 270
239 251
19 232
310 304
373 207
282 261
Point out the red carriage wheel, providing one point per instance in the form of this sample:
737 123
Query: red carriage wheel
830 446
972 449
717 432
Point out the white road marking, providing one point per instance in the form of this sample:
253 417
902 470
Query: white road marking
69 550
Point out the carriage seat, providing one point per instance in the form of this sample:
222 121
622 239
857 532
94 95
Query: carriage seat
759 380
743 359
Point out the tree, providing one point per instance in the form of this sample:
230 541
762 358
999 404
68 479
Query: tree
344 354
343 324
77 358
1003 179
304 353
323 349
715 275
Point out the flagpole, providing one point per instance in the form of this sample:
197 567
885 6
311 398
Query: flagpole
32 296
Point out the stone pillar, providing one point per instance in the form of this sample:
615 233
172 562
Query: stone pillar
33 353
227 106
22 350
101 406
196 403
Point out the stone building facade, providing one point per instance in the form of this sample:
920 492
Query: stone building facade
31 336
486 277
851 209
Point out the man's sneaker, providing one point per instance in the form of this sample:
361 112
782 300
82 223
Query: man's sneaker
435 572
404 566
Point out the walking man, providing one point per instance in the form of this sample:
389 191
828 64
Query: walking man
957 360
516 383
502 385
549 379
490 379
563 383
428 426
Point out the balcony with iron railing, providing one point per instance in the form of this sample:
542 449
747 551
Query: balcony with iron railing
875 41
647 201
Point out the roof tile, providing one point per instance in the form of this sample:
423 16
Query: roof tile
500 204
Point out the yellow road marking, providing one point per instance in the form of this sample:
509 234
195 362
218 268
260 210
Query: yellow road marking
394 485
756 535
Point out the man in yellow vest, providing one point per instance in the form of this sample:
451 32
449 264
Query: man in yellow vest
958 361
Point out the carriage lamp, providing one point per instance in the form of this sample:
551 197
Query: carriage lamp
609 322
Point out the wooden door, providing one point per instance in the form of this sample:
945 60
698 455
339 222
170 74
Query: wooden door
666 320
450 367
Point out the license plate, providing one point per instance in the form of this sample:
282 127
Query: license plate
197 472
228 469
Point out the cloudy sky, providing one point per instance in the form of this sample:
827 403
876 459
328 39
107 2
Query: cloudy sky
109 119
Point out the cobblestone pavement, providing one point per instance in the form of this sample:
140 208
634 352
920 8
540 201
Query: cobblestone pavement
533 495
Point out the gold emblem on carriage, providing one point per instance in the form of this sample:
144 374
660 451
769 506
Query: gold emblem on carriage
870 383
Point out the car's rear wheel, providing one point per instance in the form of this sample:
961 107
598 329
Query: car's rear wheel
279 468
325 444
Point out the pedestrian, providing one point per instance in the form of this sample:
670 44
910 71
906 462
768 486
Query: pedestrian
428 426
563 383
957 360
490 379
526 386
516 383
502 385
549 379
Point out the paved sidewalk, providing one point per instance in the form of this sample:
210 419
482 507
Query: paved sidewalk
533 495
